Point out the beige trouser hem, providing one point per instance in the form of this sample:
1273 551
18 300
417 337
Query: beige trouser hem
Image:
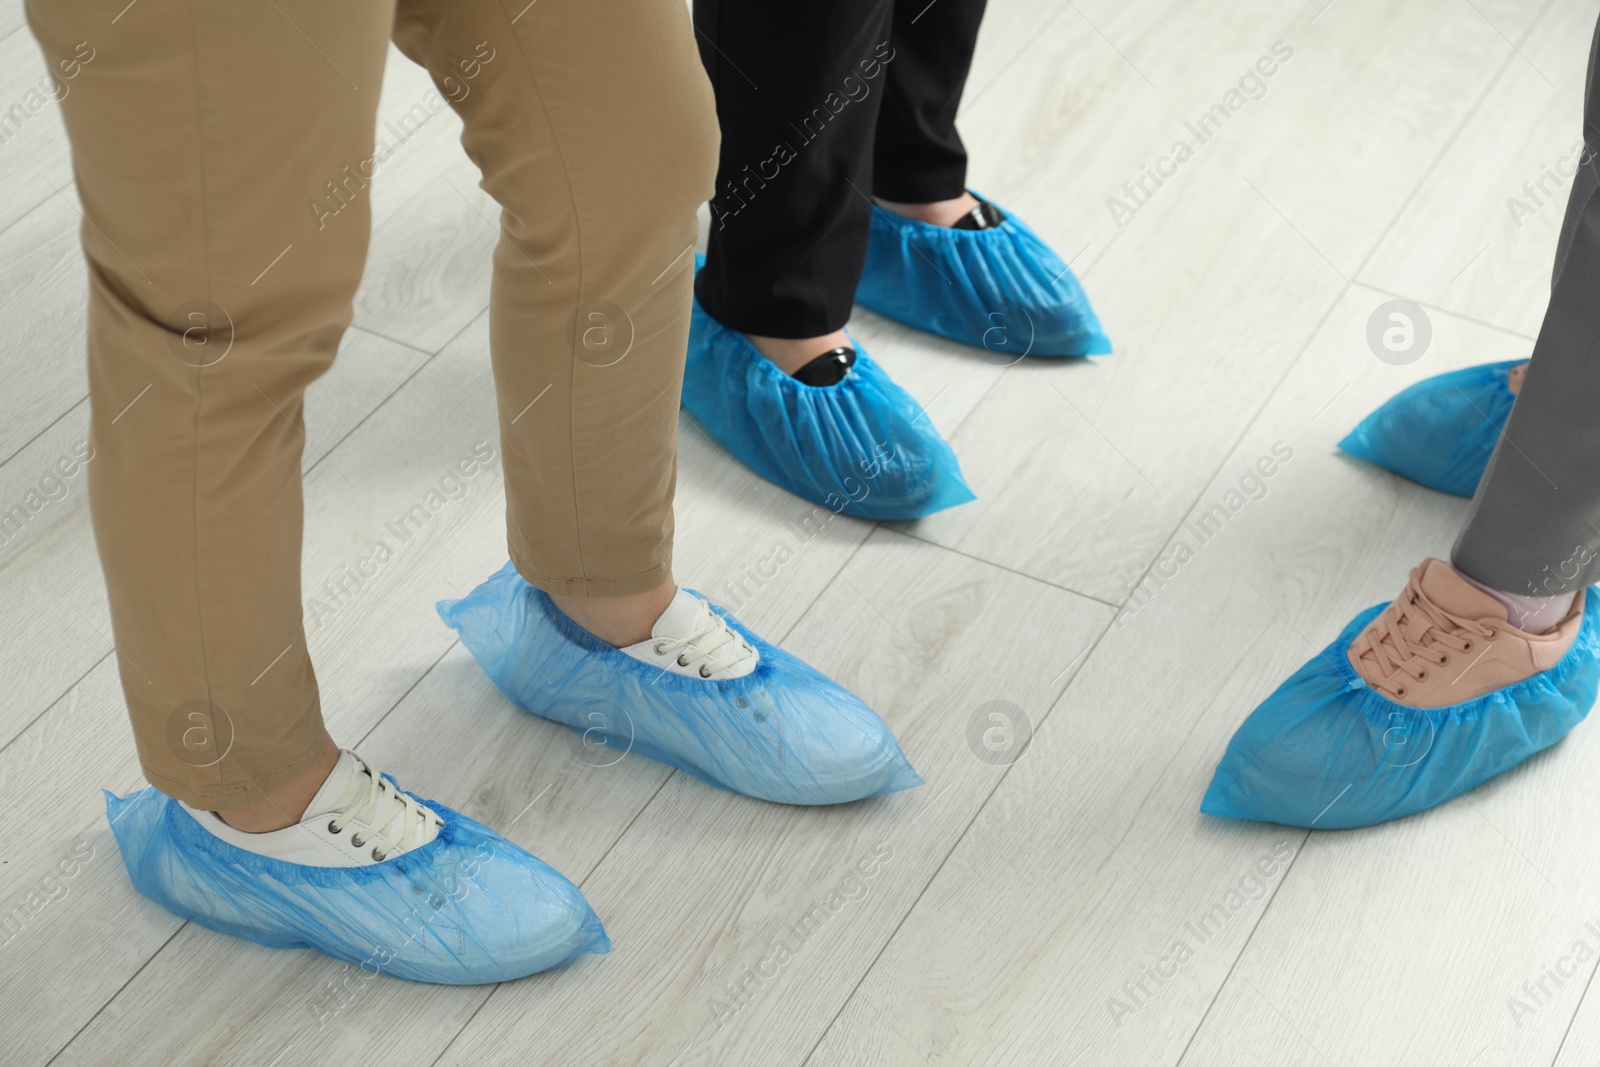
639 583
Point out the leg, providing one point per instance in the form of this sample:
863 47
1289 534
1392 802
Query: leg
798 88
1534 526
1479 663
1001 288
1584 183
589 311
1442 431
597 248
222 169
590 307
919 165
195 177
772 375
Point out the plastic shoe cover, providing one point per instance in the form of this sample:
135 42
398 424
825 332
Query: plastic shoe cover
467 908
1002 288
784 732
1326 750
1441 431
861 447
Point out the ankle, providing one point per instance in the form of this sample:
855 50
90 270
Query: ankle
790 354
618 620
937 213
285 805
1530 614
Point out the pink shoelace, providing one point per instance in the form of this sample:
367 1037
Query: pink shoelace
1393 656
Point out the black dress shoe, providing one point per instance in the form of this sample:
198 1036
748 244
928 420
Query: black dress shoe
828 368
983 217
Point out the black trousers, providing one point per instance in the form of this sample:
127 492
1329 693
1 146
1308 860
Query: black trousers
822 104
1534 526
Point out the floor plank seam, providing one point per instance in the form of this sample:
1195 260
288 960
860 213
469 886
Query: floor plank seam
48 708
399 385
1200 1024
1455 135
35 207
1012 570
44 430
579 882
961 837
970 102
112 998
370 332
1425 305
1567 1032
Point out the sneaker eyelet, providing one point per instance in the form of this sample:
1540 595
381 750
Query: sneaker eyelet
355 839
334 830
1467 647
1400 692
377 857
682 662
703 672
1444 659
1490 634
1422 674
660 648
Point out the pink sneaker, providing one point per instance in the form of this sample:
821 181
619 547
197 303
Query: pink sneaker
1444 642
1416 702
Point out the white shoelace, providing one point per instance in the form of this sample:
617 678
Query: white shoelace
712 640
391 817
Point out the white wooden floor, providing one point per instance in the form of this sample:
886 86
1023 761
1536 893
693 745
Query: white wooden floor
1027 913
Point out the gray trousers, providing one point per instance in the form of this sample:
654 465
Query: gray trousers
1534 525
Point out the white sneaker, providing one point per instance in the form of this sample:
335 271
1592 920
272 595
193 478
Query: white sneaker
356 819
704 694
460 905
691 639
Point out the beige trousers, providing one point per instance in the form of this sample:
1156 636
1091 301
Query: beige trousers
211 140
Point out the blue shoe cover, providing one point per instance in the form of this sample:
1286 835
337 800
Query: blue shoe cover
467 908
861 447
1325 750
1441 431
784 732
1002 289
